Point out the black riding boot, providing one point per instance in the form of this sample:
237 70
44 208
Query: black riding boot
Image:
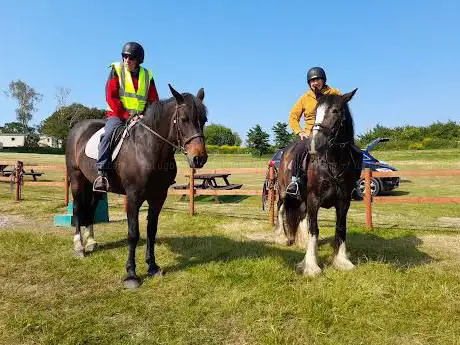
101 183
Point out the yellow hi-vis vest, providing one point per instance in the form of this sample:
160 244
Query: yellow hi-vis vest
133 101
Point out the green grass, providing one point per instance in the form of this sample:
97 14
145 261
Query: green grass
226 282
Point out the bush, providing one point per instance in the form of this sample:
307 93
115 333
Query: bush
226 149
39 150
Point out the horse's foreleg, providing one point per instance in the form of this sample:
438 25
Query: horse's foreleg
78 240
309 266
341 260
132 280
301 236
89 240
152 226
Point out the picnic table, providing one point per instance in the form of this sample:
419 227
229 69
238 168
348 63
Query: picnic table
208 181
8 172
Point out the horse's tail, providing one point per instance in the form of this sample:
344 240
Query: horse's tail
294 209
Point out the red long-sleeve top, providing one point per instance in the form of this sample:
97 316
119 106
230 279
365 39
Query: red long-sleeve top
112 93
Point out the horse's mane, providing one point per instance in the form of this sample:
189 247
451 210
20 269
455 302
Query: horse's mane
349 128
155 112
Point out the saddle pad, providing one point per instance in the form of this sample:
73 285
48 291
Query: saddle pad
91 148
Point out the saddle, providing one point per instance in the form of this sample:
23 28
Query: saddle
118 136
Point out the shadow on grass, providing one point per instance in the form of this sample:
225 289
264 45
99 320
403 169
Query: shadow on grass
399 252
394 193
199 250
223 199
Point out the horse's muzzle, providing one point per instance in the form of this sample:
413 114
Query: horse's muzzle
197 162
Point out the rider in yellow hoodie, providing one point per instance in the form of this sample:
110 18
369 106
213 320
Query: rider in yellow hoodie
306 106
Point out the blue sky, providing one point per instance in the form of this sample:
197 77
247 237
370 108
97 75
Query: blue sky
251 57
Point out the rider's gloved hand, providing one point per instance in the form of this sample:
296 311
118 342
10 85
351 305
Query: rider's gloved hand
302 135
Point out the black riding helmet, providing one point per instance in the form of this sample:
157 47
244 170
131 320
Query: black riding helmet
316 72
135 50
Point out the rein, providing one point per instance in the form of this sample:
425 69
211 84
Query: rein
179 135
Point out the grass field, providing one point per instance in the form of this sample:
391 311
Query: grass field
226 282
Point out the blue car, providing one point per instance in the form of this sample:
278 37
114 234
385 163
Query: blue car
378 184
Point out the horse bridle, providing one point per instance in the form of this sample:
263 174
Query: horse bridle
180 147
333 142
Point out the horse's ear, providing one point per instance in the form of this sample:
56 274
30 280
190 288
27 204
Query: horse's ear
318 95
179 98
348 96
200 94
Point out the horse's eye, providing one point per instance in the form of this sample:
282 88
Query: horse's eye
335 111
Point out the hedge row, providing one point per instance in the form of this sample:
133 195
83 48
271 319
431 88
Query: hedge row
425 144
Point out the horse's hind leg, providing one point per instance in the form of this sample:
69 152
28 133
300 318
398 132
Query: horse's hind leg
309 265
82 209
341 260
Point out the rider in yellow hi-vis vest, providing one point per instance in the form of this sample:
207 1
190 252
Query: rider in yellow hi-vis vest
132 100
129 88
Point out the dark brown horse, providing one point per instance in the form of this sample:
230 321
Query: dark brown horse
143 171
333 168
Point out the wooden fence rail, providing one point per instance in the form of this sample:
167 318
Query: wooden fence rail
367 175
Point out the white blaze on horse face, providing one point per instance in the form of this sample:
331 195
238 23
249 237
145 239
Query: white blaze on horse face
320 115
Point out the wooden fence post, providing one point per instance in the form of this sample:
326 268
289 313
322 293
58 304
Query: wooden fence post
191 194
125 203
368 197
271 196
66 187
18 180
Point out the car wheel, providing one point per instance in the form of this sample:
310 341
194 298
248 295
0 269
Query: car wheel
361 187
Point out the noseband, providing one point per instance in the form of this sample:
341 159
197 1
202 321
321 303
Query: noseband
180 147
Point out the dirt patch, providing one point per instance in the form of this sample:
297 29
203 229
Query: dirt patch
10 220
449 221
443 245
268 237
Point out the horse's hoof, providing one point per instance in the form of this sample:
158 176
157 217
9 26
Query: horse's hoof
156 272
91 247
312 271
343 264
132 282
79 253
308 270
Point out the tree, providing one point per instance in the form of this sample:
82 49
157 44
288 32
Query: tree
62 96
61 121
14 128
238 140
258 140
282 136
26 97
220 135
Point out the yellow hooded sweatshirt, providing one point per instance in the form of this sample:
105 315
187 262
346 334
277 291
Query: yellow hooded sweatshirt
306 105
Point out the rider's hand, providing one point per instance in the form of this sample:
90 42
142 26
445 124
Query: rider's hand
302 135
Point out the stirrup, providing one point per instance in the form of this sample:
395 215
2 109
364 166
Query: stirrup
296 188
100 177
